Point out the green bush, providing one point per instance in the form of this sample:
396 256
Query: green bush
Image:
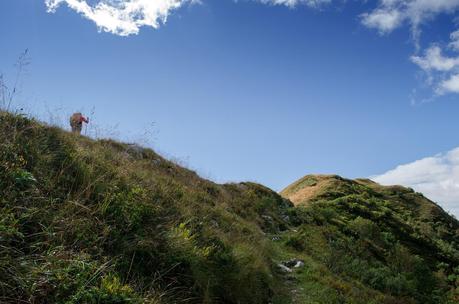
110 291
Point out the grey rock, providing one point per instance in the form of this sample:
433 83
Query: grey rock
284 268
267 217
299 264
294 263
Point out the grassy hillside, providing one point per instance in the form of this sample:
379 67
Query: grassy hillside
84 221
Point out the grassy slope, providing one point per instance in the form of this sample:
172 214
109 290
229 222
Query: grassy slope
85 221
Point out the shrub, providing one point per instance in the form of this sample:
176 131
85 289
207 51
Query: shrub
110 291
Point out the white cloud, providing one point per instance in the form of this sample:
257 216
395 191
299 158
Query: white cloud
436 177
433 60
451 85
121 17
383 20
293 3
442 71
390 14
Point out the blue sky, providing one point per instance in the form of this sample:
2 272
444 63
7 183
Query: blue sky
266 91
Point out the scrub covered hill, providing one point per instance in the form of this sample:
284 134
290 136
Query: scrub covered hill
85 221
389 239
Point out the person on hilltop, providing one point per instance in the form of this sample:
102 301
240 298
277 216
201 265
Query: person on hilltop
76 122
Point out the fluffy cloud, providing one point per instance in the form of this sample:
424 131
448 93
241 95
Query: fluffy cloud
442 70
436 177
385 20
391 14
293 3
433 60
121 17
450 85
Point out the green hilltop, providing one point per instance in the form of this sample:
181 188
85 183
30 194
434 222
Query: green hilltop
98 221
